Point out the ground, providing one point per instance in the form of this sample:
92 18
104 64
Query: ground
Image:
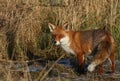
59 71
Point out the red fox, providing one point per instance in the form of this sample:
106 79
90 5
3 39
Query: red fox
97 42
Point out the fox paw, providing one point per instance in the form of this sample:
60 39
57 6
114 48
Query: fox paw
91 67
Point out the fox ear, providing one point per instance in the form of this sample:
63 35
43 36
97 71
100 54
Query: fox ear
51 27
65 26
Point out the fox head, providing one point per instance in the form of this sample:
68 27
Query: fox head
59 34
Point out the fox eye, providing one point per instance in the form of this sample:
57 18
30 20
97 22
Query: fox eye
61 36
53 36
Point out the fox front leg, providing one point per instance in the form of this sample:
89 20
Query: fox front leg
80 63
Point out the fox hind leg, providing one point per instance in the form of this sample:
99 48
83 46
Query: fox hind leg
99 58
100 70
103 53
111 59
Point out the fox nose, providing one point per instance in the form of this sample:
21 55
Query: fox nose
54 42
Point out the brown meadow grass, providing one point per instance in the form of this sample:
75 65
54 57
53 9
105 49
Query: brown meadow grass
24 29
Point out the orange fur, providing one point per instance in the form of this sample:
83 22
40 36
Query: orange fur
98 42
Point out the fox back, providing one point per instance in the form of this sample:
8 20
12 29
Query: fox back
98 43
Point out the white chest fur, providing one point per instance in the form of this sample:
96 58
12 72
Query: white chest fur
65 43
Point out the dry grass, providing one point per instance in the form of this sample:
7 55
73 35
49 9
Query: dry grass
24 28
3 45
